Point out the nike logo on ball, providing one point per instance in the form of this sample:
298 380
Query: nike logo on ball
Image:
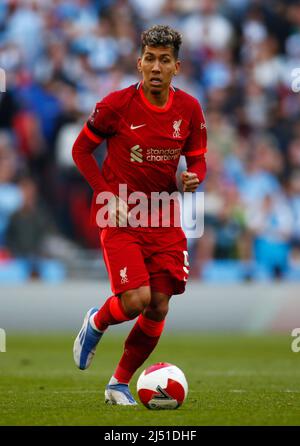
133 127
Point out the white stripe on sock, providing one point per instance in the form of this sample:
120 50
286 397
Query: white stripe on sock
113 381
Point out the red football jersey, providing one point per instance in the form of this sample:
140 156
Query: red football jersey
144 142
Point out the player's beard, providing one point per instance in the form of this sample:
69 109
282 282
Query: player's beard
155 92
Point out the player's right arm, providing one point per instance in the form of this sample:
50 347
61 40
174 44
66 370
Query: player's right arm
101 124
85 161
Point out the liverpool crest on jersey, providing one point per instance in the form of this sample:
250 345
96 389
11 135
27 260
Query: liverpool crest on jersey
176 127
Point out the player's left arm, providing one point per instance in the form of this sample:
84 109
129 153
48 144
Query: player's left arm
195 173
194 151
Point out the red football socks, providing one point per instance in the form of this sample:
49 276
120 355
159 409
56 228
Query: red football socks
139 344
111 313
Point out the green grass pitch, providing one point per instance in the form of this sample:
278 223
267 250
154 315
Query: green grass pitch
233 380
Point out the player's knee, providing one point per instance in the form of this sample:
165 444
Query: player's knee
157 311
135 301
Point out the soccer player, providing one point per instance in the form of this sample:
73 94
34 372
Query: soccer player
147 127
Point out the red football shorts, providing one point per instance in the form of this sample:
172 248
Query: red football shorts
135 258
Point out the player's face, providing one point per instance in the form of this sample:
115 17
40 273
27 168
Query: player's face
158 66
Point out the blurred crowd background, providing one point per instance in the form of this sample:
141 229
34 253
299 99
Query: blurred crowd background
238 57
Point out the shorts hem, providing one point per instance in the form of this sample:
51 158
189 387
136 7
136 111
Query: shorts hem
130 286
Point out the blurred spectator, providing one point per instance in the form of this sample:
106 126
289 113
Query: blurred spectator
269 66
261 170
10 194
206 28
229 226
24 28
294 154
270 221
28 226
27 234
294 199
8 110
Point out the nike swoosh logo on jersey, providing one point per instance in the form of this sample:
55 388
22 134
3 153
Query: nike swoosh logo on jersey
133 127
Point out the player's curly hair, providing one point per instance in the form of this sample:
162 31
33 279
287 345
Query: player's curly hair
162 35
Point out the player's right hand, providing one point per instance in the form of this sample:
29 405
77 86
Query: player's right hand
118 211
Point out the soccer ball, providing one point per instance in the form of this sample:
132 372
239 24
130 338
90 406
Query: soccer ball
162 386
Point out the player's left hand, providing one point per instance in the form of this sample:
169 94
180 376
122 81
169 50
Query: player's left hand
190 181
